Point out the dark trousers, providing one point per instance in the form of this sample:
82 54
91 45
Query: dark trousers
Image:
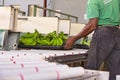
105 46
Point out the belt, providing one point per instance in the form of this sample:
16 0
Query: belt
108 25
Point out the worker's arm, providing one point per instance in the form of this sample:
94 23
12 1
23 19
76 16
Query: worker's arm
89 27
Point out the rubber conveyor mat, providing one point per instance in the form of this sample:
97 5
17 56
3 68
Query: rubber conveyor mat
79 46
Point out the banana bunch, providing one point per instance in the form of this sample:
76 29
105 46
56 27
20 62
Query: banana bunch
27 41
29 38
62 36
85 41
36 38
52 39
43 42
46 39
56 41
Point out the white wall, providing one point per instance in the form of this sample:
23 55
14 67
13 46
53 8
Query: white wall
73 7
1 1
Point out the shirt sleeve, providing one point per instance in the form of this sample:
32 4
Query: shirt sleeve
92 9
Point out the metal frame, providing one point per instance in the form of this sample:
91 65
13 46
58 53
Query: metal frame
50 10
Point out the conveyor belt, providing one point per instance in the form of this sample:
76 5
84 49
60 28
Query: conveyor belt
89 75
68 58
30 64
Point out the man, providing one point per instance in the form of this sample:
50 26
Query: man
104 19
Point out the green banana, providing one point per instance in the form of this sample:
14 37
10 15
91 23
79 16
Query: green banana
31 44
27 35
27 40
55 42
21 39
60 41
36 34
38 40
51 42
85 41
45 42
88 42
62 36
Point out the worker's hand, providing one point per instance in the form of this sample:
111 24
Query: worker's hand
69 43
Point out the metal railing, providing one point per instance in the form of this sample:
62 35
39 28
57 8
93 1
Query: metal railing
54 11
22 12
19 11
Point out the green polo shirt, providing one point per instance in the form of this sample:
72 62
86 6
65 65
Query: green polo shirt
108 11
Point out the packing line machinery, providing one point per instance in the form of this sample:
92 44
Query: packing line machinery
13 25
